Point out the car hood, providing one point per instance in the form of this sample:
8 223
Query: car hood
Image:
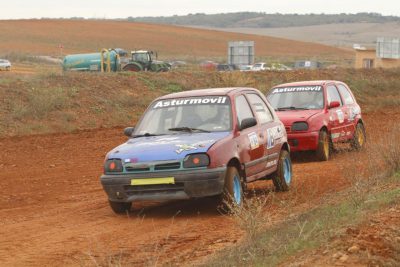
164 147
289 116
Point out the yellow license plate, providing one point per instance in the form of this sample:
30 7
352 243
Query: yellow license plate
151 181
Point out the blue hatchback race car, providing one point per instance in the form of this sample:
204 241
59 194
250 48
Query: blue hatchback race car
198 143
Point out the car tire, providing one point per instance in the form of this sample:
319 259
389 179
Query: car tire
324 146
359 137
233 189
8 68
283 175
120 207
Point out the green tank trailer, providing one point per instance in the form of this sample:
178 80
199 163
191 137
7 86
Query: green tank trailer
109 60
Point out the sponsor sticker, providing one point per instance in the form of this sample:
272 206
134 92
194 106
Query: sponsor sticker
315 88
354 111
134 160
272 163
219 100
335 135
273 134
253 140
185 147
340 115
188 147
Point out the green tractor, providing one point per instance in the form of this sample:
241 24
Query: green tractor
142 60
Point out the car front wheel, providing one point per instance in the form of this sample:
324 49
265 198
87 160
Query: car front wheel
233 190
120 207
324 146
283 176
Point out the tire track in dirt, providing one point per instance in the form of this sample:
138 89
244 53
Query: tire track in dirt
53 209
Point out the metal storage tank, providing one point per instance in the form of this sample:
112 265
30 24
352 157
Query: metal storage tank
241 53
388 48
93 61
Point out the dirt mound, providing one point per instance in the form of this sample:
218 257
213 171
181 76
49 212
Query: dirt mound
52 101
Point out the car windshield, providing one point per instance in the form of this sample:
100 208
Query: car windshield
297 97
192 114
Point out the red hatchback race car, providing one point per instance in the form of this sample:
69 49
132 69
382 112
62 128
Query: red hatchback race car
317 114
198 143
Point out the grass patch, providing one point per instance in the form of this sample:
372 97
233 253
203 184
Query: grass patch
370 174
307 231
43 97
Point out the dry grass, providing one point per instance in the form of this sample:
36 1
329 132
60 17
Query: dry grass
64 101
251 217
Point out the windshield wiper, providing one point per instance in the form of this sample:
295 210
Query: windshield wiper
291 108
145 135
188 129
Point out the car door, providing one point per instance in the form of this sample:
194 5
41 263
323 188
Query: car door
336 115
248 140
268 132
350 109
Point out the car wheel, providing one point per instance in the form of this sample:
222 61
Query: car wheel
283 176
359 137
8 68
233 190
324 146
120 207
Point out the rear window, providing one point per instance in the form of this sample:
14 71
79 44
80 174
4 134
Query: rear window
347 98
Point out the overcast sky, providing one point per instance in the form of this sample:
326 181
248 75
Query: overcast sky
16 9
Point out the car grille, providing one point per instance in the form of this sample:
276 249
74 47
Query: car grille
137 169
149 189
156 166
167 166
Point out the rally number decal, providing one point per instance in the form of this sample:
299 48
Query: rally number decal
253 140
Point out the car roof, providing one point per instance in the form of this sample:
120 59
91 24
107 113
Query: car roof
206 92
305 83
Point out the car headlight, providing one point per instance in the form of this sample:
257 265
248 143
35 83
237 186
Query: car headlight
196 160
299 126
113 165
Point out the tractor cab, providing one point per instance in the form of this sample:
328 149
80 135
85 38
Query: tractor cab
142 60
142 56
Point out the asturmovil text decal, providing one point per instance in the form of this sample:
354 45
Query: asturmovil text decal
219 100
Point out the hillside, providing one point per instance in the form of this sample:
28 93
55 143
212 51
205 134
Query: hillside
337 34
263 20
42 37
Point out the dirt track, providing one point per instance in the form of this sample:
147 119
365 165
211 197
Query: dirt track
53 210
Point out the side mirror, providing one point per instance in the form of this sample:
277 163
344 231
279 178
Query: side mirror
128 131
334 104
247 123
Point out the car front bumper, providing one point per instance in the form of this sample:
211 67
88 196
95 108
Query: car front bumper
187 184
303 141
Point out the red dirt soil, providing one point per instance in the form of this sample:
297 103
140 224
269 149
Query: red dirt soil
43 37
376 242
53 210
